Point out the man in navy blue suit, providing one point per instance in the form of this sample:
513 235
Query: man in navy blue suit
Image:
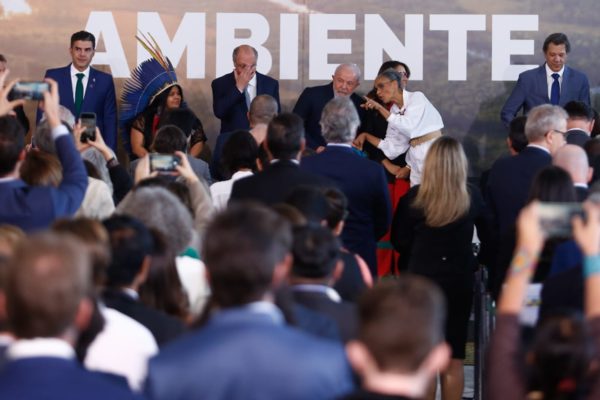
244 350
310 104
363 181
85 89
36 207
233 92
552 82
48 282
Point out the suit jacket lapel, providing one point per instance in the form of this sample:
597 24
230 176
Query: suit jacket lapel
564 86
66 95
89 89
542 82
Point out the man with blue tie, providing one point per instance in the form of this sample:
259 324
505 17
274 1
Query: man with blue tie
85 89
553 82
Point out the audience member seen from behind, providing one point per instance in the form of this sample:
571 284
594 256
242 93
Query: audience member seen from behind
238 161
580 122
247 253
35 207
132 245
41 362
362 181
560 362
316 267
436 242
123 346
400 346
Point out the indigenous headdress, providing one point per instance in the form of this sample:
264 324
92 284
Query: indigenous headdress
148 80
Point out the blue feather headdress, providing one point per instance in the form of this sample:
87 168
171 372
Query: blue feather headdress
148 80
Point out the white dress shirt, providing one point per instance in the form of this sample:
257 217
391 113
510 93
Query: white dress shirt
221 191
550 79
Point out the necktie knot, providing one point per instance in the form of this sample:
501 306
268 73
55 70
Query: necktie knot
555 76
81 75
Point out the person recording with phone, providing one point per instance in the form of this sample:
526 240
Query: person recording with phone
18 110
35 207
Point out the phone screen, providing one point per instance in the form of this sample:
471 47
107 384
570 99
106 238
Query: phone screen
30 90
555 218
88 121
163 162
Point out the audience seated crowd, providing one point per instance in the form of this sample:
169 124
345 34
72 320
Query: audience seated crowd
259 277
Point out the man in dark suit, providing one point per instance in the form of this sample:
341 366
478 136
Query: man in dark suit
312 100
85 89
550 83
47 303
317 265
245 349
36 207
362 181
233 92
580 123
284 144
511 177
573 159
131 248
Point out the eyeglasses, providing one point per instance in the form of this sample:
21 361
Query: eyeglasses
564 134
382 85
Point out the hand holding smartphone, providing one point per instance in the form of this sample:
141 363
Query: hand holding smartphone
88 121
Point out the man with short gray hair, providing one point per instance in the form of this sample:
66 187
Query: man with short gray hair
510 178
311 102
363 181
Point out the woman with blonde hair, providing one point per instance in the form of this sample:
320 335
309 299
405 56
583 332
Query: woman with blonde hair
433 231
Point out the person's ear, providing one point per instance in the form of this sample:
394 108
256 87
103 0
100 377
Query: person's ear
437 359
590 174
337 270
282 271
84 314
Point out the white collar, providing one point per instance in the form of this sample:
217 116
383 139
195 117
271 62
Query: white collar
75 71
40 347
537 146
315 288
252 81
266 308
549 72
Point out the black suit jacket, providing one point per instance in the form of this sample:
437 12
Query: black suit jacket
578 137
310 105
272 185
229 105
509 183
163 327
343 313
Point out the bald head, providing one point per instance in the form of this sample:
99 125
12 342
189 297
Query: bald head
573 159
262 109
